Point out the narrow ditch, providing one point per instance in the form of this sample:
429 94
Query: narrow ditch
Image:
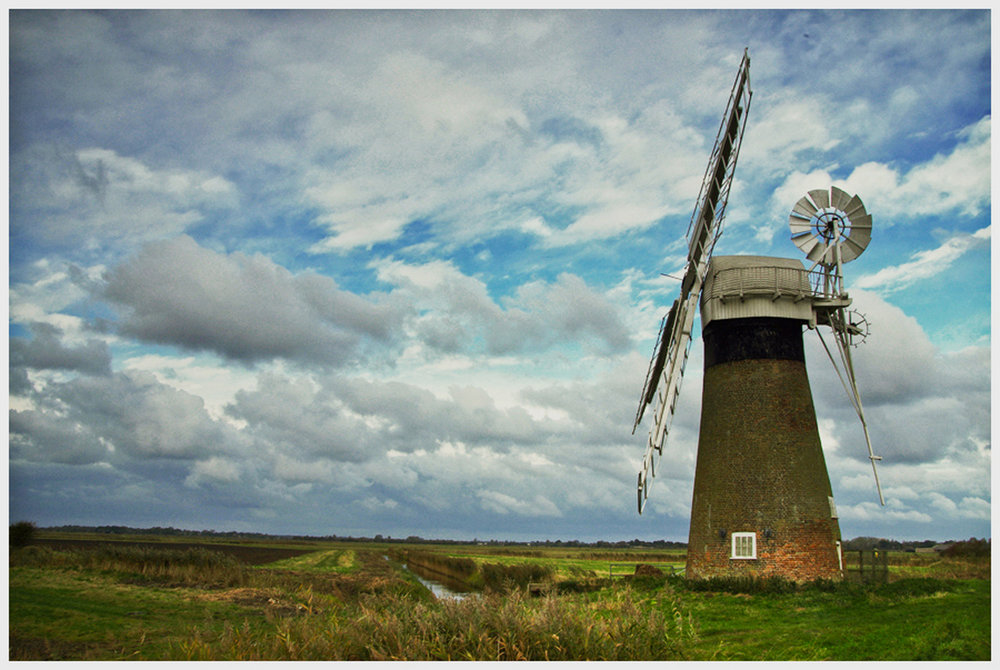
440 585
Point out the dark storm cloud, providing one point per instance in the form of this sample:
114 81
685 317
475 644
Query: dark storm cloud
244 308
117 418
295 417
351 420
49 438
45 351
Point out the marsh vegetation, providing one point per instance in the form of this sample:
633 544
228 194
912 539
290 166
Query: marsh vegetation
332 601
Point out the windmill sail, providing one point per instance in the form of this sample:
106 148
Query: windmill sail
667 367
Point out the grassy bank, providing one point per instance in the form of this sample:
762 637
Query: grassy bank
521 565
481 575
349 603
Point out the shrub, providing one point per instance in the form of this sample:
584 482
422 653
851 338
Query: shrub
22 533
743 584
971 548
502 577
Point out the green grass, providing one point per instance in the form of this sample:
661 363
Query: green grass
63 614
334 560
851 623
348 602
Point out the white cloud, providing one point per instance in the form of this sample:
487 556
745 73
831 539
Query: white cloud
942 503
374 504
423 120
957 182
46 290
492 170
872 512
456 313
501 503
244 308
784 124
214 468
928 414
612 219
123 418
204 376
95 196
975 508
288 469
926 264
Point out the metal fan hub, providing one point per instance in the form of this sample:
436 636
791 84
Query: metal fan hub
830 226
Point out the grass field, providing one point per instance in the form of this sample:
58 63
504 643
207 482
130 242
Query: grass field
176 601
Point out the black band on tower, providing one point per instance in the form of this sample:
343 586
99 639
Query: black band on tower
728 340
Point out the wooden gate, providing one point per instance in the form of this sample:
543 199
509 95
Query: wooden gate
867 566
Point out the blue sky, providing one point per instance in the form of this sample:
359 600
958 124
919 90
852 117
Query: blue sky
348 272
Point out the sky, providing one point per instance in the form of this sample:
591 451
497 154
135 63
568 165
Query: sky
401 272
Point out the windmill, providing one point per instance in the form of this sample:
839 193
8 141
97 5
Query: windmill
762 502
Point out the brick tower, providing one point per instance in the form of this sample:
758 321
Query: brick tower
762 502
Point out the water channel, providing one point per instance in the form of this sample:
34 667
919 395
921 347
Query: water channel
440 585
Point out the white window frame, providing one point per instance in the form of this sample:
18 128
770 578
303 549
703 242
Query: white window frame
737 537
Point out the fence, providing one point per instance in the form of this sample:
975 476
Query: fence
776 281
867 566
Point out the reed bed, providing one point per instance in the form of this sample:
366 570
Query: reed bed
457 568
188 567
493 627
489 576
110 602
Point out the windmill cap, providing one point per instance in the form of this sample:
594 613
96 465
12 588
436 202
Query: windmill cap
739 287
728 262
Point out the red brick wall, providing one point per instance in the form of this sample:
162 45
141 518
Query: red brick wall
761 469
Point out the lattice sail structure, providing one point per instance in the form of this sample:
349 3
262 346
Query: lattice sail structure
666 369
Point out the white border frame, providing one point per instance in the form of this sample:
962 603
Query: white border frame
753 546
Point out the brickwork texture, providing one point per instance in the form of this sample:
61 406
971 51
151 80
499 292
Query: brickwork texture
761 469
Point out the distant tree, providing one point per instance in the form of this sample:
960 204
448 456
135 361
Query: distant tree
972 547
22 533
863 543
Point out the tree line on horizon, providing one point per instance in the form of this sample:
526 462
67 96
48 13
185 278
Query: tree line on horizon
23 531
